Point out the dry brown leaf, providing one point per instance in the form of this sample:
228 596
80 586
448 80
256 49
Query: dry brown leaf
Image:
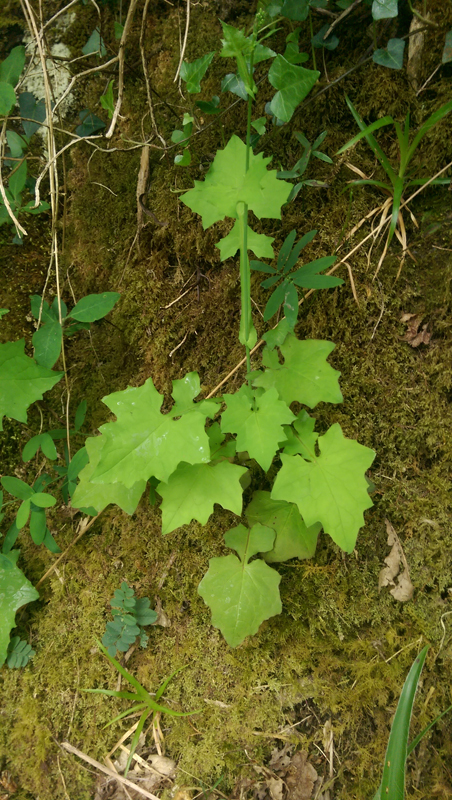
275 787
162 617
280 759
6 782
402 587
414 336
301 777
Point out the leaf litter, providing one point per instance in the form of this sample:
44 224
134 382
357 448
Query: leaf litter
391 575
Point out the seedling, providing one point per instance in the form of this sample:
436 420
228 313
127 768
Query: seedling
189 460
393 781
144 702
402 179
19 653
306 277
131 616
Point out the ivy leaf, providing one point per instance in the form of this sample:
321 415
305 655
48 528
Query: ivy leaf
259 243
22 381
331 489
390 56
293 538
234 84
227 184
100 495
143 442
193 73
295 9
7 98
15 591
11 68
304 376
257 422
447 51
293 82
192 490
33 110
384 9
242 595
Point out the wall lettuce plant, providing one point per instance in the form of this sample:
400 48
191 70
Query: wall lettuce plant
188 452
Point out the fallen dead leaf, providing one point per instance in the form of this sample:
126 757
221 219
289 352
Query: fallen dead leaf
414 336
275 787
6 782
301 777
280 759
390 575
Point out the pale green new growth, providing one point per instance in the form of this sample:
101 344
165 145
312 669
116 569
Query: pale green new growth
330 489
228 183
192 490
257 420
241 595
305 375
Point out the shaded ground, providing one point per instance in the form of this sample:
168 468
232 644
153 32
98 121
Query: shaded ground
340 651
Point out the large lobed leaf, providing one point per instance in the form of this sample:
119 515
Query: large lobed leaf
241 595
143 442
304 376
15 591
330 489
22 381
228 183
193 489
99 495
257 421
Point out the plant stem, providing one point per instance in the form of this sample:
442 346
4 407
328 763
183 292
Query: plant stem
374 31
314 64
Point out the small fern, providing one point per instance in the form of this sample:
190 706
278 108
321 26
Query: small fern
131 615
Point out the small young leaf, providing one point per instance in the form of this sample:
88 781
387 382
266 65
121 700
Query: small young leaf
33 110
17 181
259 125
384 9
293 83
193 73
242 595
89 123
210 106
232 83
80 414
47 344
23 514
43 500
43 441
257 422
107 100
305 375
275 301
7 98
391 56
183 159
95 44
94 306
38 526
259 243
19 653
319 41
17 488
11 68
118 30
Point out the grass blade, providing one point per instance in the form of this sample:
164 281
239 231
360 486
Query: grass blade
432 120
135 740
393 780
